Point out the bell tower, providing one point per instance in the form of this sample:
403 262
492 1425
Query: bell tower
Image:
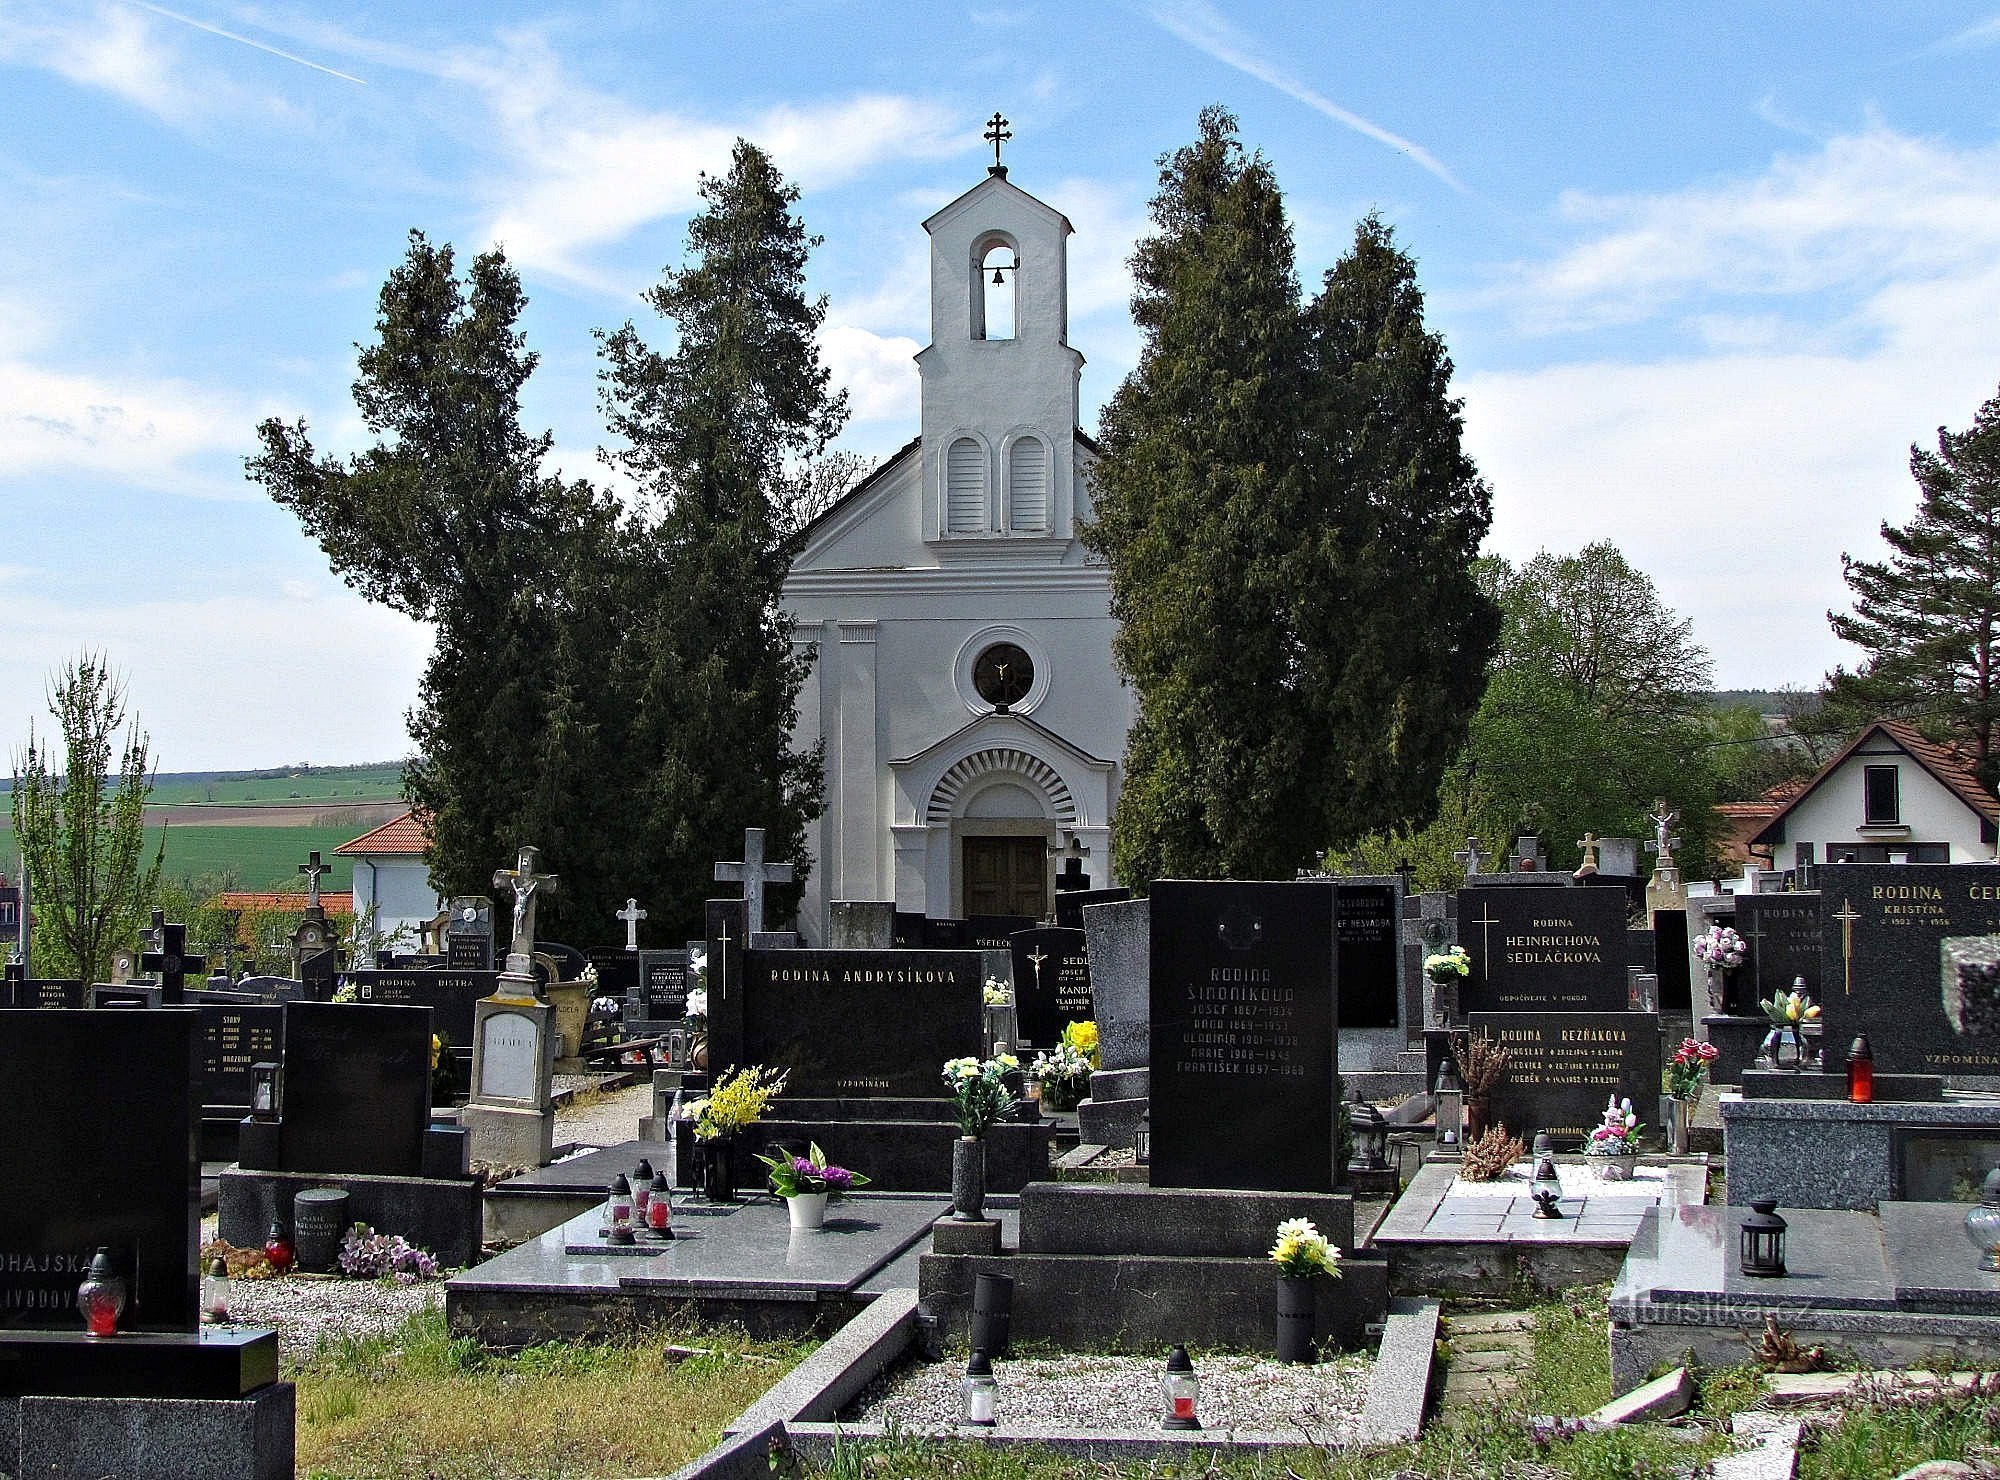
1000 381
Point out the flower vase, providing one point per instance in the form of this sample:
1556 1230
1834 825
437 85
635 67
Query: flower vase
1444 1001
968 1179
808 1211
1617 1168
1678 1111
1298 1313
719 1169
1475 1116
1790 1050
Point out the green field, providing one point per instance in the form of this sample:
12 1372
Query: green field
262 857
321 783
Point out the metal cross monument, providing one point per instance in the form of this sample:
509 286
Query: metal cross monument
631 915
312 868
997 133
753 874
525 880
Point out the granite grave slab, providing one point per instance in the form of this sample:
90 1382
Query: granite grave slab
1051 984
1367 921
1546 949
1071 903
1564 1066
1784 934
448 994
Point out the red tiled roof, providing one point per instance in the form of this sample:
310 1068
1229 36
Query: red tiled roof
340 903
405 834
1943 763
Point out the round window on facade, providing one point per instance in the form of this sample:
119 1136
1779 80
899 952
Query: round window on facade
1003 674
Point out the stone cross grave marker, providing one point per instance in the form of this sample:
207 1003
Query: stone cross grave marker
312 868
525 880
170 961
1588 842
631 915
754 873
1663 819
1470 857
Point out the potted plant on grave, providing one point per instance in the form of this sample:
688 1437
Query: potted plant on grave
1721 950
1481 1062
1002 1026
1685 1073
738 1100
1785 1045
980 1099
1064 1071
807 1183
1303 1255
1614 1145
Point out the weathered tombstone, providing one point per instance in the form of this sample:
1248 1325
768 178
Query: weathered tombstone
450 995
1547 950
755 875
510 1114
1371 989
861 925
1070 904
1117 939
357 1089
1563 1067
859 1024
1244 1023
117 1168
468 938
1051 984
1782 932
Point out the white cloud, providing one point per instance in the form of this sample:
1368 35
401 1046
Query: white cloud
218 682
149 433
1737 469
878 372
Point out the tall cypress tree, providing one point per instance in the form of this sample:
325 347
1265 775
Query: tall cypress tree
711 433
1929 616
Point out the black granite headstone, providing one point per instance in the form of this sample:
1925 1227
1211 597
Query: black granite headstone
1071 904
1543 949
1891 936
727 942
468 952
860 1024
93 1159
1670 959
906 930
995 932
617 972
1244 993
44 992
663 983
1370 973
1051 985
569 960
132 994
1563 1067
235 1038
318 976
448 994
357 1089
947 935
1782 932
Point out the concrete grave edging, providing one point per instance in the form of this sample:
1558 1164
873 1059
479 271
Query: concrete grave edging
845 1363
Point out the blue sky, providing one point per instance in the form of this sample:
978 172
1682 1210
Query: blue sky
1706 271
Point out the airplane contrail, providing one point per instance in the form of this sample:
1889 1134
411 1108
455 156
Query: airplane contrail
188 20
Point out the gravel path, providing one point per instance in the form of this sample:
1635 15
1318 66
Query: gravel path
607 1120
1237 1392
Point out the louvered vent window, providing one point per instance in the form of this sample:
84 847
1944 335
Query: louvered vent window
1028 485
965 488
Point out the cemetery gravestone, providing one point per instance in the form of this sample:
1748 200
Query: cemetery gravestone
46 992
119 1168
906 930
1243 1035
1370 981
663 983
859 1023
449 995
1563 1067
234 1039
1051 984
1548 950
468 940
357 1088
318 975
947 935
1904 963
1071 903
995 932
617 972
1783 934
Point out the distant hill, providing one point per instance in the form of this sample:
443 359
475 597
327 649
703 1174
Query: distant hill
1764 701
380 781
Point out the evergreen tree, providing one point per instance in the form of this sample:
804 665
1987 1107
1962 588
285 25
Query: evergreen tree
449 518
81 831
1290 521
1929 616
714 434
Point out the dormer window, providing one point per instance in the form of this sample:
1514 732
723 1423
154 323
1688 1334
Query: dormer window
1881 800
996 269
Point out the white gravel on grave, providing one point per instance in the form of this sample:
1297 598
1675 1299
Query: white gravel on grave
303 1308
1099 1393
1579 1179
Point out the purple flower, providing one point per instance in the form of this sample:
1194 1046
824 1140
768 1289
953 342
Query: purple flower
803 1168
837 1179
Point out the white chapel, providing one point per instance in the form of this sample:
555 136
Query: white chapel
962 676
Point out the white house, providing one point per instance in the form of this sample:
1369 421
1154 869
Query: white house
1890 797
392 879
962 681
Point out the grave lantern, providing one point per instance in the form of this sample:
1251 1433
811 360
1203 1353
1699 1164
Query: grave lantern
642 1191
1450 1105
618 1210
264 1092
1861 1072
978 1393
215 1292
660 1208
278 1250
1371 1137
101 1296
1180 1385
1546 1188
1982 1224
1142 1143
1761 1250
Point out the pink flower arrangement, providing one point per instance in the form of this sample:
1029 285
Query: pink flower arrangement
1619 1135
1688 1068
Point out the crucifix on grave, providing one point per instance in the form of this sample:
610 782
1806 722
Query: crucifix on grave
1847 914
1663 819
631 915
1470 857
524 880
312 868
753 873
170 962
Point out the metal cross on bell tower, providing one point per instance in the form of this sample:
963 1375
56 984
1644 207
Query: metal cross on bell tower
997 133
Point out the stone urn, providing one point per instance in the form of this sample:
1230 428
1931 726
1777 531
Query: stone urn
968 1179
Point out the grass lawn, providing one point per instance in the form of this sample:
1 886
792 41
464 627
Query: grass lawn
417 1404
329 783
263 857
